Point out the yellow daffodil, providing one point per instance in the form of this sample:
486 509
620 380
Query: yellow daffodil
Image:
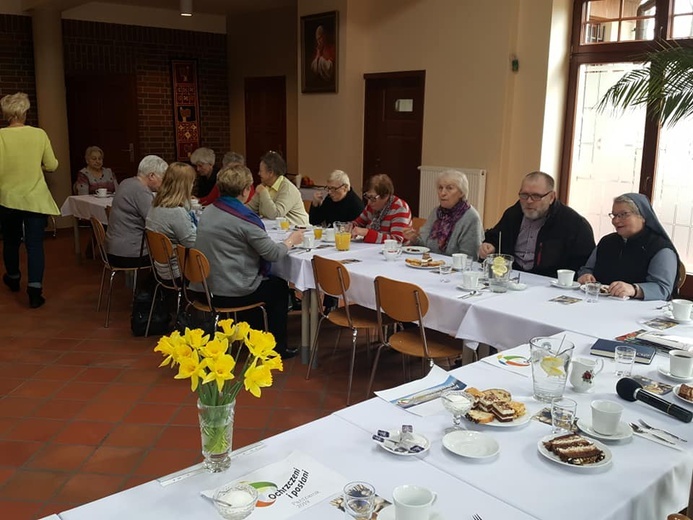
242 329
274 363
196 338
257 377
227 327
167 348
190 367
220 370
261 344
215 348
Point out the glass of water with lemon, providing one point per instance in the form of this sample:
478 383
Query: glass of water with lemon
498 268
550 359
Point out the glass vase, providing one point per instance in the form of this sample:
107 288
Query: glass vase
216 432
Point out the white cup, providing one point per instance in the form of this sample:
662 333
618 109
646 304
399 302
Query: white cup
606 416
308 240
681 309
390 244
101 192
459 261
391 254
470 280
565 277
681 363
413 502
328 234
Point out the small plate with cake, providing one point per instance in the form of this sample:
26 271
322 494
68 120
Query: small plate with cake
575 451
495 407
684 392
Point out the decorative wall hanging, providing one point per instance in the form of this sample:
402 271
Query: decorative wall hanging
186 110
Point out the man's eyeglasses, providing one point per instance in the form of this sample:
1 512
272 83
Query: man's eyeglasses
332 189
370 197
536 197
620 216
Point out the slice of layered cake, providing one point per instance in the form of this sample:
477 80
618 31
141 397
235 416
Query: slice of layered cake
574 449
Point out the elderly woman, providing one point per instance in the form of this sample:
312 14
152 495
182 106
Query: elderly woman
171 212
337 203
24 196
203 160
240 252
94 176
125 243
277 196
638 260
230 158
454 226
386 215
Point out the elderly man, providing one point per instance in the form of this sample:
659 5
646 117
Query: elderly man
132 201
277 196
203 160
541 233
337 203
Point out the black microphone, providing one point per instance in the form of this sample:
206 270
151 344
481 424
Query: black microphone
630 390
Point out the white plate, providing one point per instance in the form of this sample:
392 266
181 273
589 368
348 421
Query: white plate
554 283
554 458
668 374
471 444
676 393
623 432
428 267
389 514
417 439
520 421
415 250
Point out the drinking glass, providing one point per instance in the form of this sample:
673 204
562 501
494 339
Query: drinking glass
550 358
317 232
445 271
592 291
359 500
563 412
497 268
458 403
342 235
624 358
283 223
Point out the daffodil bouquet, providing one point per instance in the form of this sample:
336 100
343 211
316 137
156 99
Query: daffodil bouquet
212 365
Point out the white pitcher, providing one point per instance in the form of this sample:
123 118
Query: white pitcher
583 373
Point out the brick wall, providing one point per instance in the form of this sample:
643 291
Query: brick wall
17 60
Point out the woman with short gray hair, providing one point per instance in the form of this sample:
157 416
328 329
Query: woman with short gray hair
336 203
454 226
203 160
94 176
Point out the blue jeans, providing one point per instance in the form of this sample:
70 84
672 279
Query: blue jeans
15 224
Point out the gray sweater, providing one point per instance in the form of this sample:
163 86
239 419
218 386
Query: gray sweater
466 236
178 226
131 204
234 248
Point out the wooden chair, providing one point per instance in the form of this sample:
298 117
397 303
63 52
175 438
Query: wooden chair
161 252
100 241
406 302
417 223
194 267
307 204
680 276
332 277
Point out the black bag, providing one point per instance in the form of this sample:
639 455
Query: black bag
194 319
161 319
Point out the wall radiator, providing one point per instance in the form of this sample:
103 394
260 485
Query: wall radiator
428 188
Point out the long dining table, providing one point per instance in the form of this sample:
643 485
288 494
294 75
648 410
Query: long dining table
84 207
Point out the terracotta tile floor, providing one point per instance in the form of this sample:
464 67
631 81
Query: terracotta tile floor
85 412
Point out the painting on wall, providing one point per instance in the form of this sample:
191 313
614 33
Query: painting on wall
185 108
319 37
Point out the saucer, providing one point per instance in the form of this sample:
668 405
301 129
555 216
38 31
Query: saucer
477 288
514 286
554 283
417 441
389 514
471 444
415 250
668 374
623 432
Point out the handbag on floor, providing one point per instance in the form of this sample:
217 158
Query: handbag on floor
161 318
192 318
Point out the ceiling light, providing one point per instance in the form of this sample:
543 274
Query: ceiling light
186 7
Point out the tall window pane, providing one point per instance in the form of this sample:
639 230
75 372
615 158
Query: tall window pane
673 193
607 148
682 19
618 21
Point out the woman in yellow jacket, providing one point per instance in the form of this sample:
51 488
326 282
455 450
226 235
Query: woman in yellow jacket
25 200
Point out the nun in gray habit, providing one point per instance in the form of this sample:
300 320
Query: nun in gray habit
639 259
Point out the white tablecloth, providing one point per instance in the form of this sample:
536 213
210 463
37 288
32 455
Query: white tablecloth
646 481
86 206
337 444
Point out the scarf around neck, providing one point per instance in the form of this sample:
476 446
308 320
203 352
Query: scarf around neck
378 217
445 222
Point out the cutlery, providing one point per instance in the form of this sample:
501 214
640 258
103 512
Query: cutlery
469 295
638 429
648 427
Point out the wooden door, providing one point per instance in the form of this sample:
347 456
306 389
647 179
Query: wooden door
102 111
393 129
265 119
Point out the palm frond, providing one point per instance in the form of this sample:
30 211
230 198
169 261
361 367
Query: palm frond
666 85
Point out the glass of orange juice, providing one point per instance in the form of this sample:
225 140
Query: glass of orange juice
342 235
283 223
317 232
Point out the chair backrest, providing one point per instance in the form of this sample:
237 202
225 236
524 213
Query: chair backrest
331 276
161 252
100 237
108 212
307 204
402 301
194 267
417 223
681 275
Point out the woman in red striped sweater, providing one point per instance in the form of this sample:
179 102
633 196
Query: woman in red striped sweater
386 215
